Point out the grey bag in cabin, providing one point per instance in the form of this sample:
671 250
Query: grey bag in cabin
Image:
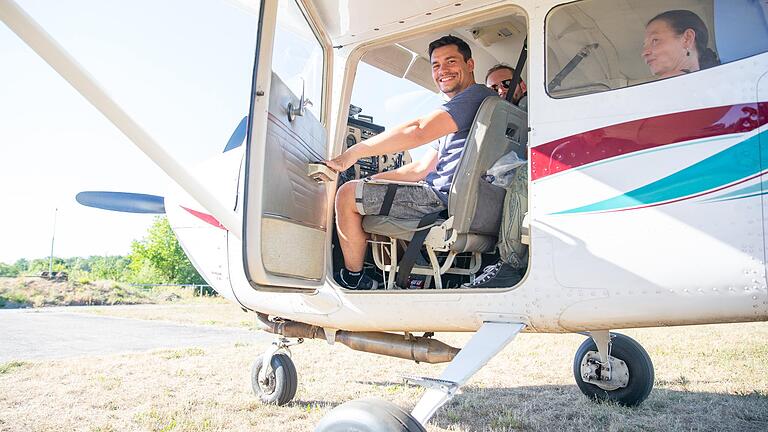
511 250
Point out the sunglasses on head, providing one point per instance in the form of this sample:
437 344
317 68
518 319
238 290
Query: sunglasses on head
506 83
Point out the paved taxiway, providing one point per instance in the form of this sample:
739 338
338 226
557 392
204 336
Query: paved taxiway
28 334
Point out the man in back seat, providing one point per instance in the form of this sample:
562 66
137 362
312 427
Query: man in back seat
453 73
513 254
499 79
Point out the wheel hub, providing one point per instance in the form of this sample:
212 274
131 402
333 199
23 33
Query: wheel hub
268 384
593 371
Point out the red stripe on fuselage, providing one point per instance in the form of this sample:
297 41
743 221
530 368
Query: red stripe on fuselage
624 138
205 218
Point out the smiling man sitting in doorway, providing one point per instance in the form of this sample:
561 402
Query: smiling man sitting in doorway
453 73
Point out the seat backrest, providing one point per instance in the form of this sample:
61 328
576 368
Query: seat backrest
475 204
517 131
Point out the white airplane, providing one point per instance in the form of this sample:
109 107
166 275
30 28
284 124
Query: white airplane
647 201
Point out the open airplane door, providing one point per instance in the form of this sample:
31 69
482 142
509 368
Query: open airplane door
284 210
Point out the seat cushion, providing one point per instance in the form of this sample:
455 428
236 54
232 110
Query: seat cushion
403 229
474 243
389 226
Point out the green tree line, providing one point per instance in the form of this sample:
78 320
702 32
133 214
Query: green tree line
155 259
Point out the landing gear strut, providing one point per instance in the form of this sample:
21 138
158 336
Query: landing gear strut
373 415
613 367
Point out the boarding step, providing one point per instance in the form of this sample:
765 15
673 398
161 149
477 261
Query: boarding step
448 387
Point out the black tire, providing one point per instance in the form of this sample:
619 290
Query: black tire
281 382
638 363
369 415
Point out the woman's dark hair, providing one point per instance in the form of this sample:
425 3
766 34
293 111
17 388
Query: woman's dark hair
682 20
451 40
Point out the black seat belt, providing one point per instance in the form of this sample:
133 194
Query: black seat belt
518 71
413 250
389 197
568 68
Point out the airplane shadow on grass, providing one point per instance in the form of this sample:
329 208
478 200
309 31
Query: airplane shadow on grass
565 408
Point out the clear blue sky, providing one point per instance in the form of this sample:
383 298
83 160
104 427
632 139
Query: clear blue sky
182 69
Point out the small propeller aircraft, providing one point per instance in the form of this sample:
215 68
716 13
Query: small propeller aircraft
647 199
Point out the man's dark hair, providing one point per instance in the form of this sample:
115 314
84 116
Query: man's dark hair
451 40
499 66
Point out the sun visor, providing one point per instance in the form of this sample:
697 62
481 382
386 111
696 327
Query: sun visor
420 73
392 59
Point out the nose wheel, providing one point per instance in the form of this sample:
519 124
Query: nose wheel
625 376
273 375
369 415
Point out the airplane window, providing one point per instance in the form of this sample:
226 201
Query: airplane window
594 46
298 55
392 100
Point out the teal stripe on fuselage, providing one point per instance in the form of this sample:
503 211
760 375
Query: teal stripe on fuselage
732 164
739 197
749 190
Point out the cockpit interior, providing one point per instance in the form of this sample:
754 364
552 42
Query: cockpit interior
442 262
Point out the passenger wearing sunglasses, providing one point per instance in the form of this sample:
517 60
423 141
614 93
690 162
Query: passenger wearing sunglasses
499 78
513 254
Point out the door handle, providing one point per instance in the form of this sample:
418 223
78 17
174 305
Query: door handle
320 172
297 111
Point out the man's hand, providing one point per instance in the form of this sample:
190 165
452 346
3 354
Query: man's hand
407 136
342 162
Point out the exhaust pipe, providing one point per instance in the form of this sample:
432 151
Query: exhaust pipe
418 349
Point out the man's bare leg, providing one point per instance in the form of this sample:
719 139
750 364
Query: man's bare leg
349 224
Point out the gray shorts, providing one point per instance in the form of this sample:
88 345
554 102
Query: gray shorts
410 202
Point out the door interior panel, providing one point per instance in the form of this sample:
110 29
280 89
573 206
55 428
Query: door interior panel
288 191
290 249
292 224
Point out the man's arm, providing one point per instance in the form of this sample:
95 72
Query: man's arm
412 172
407 136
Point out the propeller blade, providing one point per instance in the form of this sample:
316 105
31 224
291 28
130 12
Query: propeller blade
238 136
122 201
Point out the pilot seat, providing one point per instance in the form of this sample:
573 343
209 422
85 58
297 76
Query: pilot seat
474 212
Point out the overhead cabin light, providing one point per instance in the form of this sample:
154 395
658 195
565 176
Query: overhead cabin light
505 32
493 33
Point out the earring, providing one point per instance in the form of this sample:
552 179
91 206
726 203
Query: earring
687 53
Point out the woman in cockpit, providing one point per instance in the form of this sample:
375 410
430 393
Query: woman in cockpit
676 43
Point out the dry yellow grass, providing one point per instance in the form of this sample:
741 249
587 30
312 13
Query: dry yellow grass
208 311
38 292
707 378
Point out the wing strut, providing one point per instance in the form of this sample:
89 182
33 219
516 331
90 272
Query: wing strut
50 51
482 347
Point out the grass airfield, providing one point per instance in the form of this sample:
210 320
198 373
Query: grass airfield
707 378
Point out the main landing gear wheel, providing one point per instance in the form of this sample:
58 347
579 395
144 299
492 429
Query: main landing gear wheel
369 415
280 384
631 375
